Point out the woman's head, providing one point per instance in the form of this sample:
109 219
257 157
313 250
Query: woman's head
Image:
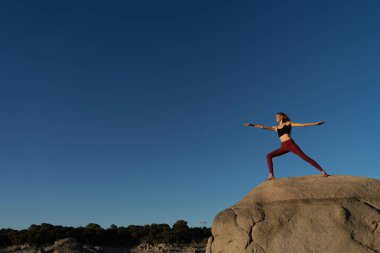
280 116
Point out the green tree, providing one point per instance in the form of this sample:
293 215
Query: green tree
94 234
113 226
93 226
181 232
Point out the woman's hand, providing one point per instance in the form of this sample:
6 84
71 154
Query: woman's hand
320 123
246 124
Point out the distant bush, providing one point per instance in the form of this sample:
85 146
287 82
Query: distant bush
114 236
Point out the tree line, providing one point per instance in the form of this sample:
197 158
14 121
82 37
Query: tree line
114 236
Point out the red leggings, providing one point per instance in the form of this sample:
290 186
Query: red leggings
287 146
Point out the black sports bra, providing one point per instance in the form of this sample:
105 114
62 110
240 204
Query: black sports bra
284 130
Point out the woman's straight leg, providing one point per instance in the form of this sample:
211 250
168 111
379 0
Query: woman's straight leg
297 150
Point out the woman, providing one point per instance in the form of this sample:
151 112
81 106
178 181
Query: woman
287 144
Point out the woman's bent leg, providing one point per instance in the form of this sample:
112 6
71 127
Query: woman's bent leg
277 152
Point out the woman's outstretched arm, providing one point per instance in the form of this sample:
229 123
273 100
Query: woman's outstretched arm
271 128
307 124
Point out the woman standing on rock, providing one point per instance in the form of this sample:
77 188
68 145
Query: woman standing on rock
287 144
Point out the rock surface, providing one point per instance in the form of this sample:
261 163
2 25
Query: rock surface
71 245
168 248
68 245
303 214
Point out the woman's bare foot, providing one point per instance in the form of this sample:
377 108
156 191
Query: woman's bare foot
271 177
324 174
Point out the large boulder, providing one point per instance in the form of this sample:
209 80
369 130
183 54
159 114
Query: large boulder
303 214
71 245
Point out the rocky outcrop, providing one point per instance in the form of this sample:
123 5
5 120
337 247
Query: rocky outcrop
71 245
168 248
304 214
68 245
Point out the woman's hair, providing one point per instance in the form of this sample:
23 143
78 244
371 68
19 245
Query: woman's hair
284 117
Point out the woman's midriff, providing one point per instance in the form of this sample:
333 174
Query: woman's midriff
285 137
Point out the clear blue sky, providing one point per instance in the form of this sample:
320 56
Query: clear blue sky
131 112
